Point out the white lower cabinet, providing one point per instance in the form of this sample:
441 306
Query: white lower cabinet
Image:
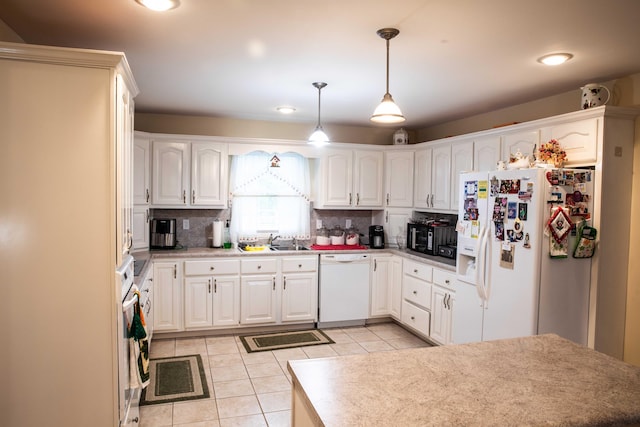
416 296
258 291
442 303
167 297
299 289
386 286
211 293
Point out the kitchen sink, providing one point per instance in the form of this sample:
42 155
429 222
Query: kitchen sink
256 248
289 248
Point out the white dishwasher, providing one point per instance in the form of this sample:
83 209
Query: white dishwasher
344 289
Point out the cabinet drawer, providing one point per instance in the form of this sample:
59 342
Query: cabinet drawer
211 267
418 270
444 278
416 317
417 291
293 264
259 265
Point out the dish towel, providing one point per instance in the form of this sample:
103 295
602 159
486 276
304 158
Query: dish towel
138 349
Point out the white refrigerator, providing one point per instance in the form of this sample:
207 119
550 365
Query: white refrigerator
516 272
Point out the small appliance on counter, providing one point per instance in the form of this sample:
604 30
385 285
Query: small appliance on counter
163 234
376 237
432 238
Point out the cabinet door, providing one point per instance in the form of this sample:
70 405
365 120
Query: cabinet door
140 227
380 301
368 178
337 175
579 139
141 171
208 174
167 297
226 301
461 161
395 224
525 142
440 315
170 174
398 172
422 178
395 287
486 154
299 297
198 302
124 176
258 299
441 178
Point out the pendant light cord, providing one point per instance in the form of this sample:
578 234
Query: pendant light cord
387 66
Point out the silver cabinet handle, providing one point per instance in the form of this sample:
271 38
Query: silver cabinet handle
350 199
375 265
415 292
175 271
193 196
387 199
209 285
357 199
386 218
184 197
147 191
212 268
413 318
284 281
215 286
274 283
147 216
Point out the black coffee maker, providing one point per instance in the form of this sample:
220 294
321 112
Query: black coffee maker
376 237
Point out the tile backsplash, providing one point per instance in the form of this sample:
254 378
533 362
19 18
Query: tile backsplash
200 229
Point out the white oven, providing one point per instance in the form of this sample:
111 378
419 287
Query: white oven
128 397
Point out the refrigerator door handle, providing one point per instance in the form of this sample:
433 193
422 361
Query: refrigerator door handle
480 265
486 279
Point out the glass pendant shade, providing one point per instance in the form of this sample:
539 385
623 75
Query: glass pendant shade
387 111
318 137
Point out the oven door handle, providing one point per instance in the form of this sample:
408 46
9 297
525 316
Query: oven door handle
128 304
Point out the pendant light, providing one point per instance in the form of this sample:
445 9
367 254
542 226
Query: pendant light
159 5
318 137
387 111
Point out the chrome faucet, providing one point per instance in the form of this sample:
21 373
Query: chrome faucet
271 239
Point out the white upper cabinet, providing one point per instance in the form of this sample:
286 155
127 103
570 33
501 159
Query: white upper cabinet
208 167
189 174
141 170
579 139
422 181
170 173
432 186
351 179
398 172
486 153
441 177
461 161
524 142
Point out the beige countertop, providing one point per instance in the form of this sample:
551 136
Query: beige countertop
198 252
540 380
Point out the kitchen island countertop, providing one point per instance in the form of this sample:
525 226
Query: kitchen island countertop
539 380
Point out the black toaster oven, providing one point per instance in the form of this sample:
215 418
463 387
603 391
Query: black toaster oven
429 238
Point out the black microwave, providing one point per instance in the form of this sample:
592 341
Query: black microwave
432 238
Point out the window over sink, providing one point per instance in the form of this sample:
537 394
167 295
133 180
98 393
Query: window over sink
270 194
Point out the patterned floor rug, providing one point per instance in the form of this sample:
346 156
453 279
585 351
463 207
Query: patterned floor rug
174 379
280 340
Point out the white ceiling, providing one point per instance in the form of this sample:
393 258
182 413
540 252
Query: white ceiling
243 58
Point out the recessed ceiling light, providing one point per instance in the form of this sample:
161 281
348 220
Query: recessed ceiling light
555 58
285 109
159 5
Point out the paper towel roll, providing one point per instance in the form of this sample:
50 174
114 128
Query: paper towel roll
217 233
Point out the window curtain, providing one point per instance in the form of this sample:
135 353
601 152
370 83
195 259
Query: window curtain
270 194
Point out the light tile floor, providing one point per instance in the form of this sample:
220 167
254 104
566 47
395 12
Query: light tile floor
254 389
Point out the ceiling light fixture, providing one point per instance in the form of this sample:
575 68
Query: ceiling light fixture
387 111
285 109
555 58
159 5
318 137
